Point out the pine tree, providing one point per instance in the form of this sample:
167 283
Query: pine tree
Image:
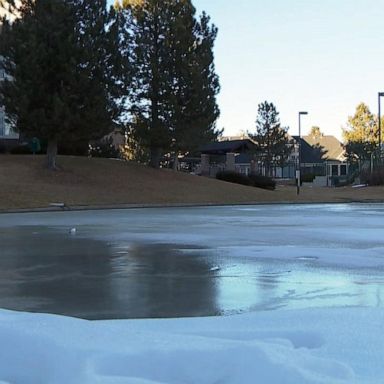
56 53
273 143
150 55
174 106
196 84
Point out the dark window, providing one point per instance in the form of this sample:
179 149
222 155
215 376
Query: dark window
343 170
335 170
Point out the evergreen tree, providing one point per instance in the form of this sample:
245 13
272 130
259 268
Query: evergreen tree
173 106
147 23
196 84
60 88
361 135
99 64
274 146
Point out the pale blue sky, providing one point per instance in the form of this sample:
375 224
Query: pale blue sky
321 56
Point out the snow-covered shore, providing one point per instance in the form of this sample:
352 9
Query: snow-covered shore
301 346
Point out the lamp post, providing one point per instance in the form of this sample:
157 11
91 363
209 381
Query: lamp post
298 172
380 94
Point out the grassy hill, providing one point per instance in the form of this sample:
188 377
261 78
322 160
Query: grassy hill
24 183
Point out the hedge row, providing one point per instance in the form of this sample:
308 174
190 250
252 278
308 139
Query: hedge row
258 181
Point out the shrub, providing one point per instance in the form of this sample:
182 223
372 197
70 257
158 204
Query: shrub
234 177
104 148
376 177
264 182
308 178
258 181
22 149
340 181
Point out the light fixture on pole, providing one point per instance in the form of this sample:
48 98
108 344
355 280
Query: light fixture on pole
380 94
298 171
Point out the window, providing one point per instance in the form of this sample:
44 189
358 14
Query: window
335 170
343 170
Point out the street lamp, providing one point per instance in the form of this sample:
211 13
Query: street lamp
298 172
380 94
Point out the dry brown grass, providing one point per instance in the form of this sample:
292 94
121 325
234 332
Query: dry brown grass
24 183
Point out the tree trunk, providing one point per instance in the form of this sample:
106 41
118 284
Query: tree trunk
176 162
52 154
154 161
155 125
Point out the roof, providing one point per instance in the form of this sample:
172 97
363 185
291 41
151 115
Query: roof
229 146
317 149
331 147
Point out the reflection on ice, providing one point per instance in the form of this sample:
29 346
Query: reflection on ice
192 261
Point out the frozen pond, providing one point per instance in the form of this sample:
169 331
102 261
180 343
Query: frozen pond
192 261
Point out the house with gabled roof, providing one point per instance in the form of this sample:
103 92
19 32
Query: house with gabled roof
324 157
234 155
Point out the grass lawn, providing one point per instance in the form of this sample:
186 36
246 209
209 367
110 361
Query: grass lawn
24 184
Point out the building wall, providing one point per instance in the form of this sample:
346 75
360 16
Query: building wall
5 128
6 131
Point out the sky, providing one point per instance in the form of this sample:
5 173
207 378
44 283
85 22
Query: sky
320 56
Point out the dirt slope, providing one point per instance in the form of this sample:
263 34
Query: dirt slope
24 183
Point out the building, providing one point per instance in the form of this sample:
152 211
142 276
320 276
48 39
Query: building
8 137
232 155
323 156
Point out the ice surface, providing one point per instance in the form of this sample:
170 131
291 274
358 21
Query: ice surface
201 261
353 232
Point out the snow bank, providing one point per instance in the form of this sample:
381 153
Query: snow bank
301 346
